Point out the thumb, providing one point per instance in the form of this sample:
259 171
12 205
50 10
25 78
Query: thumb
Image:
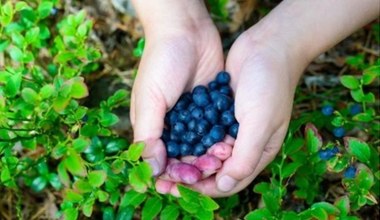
246 154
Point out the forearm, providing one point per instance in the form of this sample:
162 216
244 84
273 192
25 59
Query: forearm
313 26
168 15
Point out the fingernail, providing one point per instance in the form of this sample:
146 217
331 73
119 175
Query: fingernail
154 164
226 183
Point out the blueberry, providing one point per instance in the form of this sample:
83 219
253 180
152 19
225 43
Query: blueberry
207 141
199 150
327 154
214 95
227 118
191 107
184 116
355 109
226 90
197 113
350 172
211 114
191 125
185 149
327 110
201 99
183 102
200 89
165 136
178 128
223 78
201 128
172 149
171 117
53 11
217 133
223 102
339 132
233 130
213 85
174 137
190 137
232 108
335 150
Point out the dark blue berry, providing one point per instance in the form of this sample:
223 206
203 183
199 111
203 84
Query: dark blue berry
223 78
191 125
165 135
172 149
232 108
185 149
339 132
191 107
200 89
178 128
335 150
190 137
211 114
213 85
233 130
214 95
183 102
85 118
355 109
53 11
201 99
199 150
327 154
207 141
175 137
226 90
223 102
201 128
184 116
227 118
327 110
197 113
171 117
350 172
217 133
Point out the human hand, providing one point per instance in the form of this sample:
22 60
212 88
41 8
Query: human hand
178 55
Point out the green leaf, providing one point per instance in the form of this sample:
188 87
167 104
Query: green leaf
7 14
151 208
114 146
108 213
20 5
79 89
87 208
140 177
117 166
102 195
5 174
54 181
75 164
343 204
16 54
208 204
188 194
329 208
62 173
72 196
32 35
82 186
18 39
4 44
63 57
290 215
80 144
12 86
170 212
319 213
293 146
132 198
204 214
365 179
108 119
97 178
125 213
60 103
120 96
358 148
261 187
39 184
272 202
363 117
369 97
370 74
290 169
313 139
134 152
70 214
357 95
350 82
44 9
261 214
191 207
29 95
47 91
338 121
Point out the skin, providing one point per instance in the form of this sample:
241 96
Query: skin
183 49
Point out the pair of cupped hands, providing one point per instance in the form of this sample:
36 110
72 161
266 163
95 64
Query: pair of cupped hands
179 57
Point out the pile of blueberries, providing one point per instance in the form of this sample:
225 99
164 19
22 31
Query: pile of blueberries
201 118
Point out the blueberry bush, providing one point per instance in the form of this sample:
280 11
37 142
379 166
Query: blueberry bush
53 144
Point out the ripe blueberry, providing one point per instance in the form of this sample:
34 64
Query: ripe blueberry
191 106
207 141
355 109
202 127
233 130
226 90
327 110
211 114
191 125
171 117
339 132
227 118
213 85
200 89
201 99
197 113
165 135
190 137
185 149
326 154
174 137
223 78
178 128
223 102
183 102
199 149
172 149
217 133
184 116
350 172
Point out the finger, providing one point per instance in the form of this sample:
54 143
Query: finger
163 186
221 150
